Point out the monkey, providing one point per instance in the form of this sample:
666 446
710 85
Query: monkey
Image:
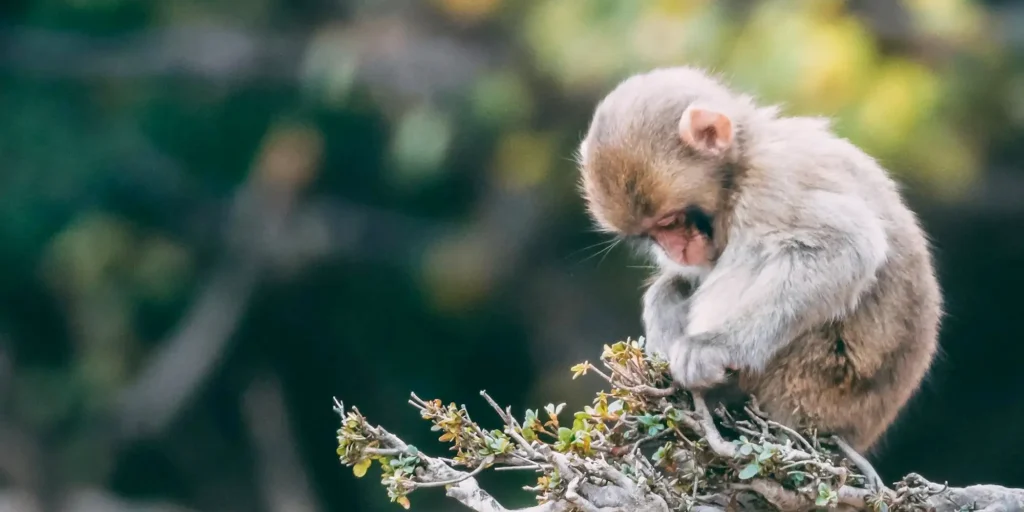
788 262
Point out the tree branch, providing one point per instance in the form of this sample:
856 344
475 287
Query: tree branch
602 462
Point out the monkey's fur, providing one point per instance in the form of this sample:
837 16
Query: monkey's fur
819 288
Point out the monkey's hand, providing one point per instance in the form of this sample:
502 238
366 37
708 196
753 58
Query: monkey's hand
697 363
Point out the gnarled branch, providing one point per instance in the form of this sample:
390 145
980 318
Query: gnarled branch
647 447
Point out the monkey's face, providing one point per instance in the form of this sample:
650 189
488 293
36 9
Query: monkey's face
660 188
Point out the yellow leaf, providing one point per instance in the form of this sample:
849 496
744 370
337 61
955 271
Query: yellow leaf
404 502
580 369
360 468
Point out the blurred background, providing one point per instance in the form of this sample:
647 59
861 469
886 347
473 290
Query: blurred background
216 215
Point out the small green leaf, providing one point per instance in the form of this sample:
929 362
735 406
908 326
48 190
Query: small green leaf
658 455
564 434
746 449
529 434
750 471
662 452
359 469
500 446
765 455
647 420
883 507
825 495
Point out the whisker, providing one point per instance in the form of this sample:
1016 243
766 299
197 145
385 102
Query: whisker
601 252
608 250
592 246
596 254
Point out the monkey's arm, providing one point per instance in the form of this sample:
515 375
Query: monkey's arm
666 305
773 281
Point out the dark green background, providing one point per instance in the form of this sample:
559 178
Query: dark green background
450 251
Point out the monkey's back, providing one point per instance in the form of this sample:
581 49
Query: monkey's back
852 376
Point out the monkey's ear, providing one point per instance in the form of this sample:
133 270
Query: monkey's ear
706 130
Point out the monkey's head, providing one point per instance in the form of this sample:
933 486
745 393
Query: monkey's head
654 163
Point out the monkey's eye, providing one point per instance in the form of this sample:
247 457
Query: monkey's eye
670 222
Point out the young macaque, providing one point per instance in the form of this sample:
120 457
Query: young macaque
786 255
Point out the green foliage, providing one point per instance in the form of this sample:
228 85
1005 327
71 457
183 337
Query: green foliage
826 496
688 459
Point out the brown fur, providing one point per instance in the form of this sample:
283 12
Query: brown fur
852 377
849 375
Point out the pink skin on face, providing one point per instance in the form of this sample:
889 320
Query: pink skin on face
685 246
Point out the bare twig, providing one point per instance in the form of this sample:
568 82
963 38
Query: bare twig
510 427
862 464
710 431
653 391
807 444
452 481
